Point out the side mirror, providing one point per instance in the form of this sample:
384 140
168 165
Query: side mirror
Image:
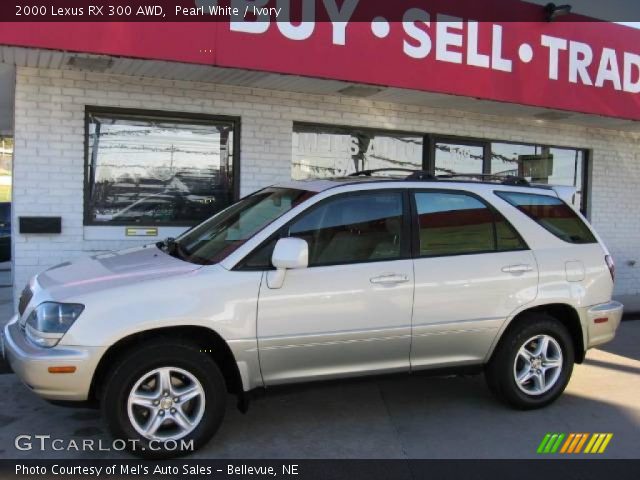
289 253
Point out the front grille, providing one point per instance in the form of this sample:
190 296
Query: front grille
25 298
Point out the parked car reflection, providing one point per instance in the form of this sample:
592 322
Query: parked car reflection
163 208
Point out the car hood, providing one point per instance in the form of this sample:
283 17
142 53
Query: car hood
108 270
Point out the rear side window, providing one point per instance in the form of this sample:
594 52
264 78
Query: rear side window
507 238
457 224
552 214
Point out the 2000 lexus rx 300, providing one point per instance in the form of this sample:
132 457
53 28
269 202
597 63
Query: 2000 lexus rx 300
317 280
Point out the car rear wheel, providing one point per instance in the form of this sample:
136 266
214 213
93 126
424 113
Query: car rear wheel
164 400
533 362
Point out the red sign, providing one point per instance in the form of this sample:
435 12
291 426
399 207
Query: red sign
590 67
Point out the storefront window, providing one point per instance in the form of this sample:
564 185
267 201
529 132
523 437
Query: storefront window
458 158
568 165
324 151
144 169
538 164
506 158
321 151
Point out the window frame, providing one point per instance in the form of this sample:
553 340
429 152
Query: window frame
415 237
405 241
186 118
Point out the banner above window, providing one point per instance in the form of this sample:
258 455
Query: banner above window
429 46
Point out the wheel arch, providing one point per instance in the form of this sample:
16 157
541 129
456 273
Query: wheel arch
564 313
208 340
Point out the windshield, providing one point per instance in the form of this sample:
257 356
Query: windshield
214 239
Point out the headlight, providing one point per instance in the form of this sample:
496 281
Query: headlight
49 321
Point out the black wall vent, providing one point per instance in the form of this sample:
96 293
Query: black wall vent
40 225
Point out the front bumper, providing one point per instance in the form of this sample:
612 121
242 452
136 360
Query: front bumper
31 363
603 321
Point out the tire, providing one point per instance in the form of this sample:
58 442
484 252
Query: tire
519 355
141 377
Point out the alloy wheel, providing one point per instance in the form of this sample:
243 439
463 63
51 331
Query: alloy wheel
538 365
167 403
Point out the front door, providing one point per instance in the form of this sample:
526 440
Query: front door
349 312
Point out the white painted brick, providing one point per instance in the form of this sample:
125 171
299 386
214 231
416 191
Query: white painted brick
49 150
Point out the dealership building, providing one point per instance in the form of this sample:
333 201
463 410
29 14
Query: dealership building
127 133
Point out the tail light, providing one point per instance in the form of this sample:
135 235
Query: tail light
611 265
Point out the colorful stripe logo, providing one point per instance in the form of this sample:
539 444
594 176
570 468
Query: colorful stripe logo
574 443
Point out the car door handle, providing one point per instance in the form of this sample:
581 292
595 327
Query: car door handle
517 268
389 279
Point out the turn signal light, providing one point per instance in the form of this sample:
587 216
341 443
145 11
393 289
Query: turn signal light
63 369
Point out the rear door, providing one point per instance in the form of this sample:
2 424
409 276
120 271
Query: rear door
472 270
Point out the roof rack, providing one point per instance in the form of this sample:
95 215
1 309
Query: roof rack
412 172
503 179
423 175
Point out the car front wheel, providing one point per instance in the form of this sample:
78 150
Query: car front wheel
164 400
533 362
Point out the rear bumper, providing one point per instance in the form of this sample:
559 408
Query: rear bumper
602 322
31 363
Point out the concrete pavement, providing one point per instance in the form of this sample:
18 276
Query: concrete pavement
399 417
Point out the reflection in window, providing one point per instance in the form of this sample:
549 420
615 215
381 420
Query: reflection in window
568 170
325 151
506 236
546 165
453 158
453 224
352 229
213 240
553 214
157 170
505 158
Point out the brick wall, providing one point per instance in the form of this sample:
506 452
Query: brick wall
49 129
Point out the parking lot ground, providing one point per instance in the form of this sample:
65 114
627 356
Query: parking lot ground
397 417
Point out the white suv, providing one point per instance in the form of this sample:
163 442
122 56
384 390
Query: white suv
316 280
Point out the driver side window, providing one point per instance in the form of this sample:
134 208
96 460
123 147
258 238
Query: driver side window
361 227
351 228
